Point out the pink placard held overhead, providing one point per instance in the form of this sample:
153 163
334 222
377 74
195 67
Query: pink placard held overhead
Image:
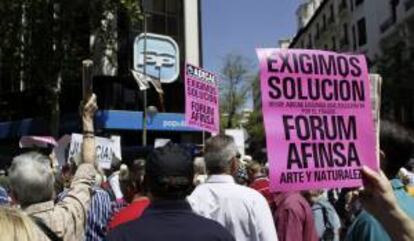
318 119
201 99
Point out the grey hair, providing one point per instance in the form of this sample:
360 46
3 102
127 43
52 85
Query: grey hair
220 150
31 178
199 165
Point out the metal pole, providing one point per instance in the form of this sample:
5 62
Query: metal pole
161 95
144 122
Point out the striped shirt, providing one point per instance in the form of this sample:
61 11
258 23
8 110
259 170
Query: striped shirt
99 214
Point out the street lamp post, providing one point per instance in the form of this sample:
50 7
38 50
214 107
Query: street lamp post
144 123
151 112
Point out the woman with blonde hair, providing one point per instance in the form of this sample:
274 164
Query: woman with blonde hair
15 225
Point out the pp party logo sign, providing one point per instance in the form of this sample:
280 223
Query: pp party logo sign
160 56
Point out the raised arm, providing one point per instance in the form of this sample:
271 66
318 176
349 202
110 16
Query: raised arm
88 146
73 208
379 199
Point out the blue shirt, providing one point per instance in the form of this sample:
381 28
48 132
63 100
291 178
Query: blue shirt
367 228
325 216
99 213
4 197
172 221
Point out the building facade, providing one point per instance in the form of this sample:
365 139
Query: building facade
382 30
357 26
119 98
398 24
305 12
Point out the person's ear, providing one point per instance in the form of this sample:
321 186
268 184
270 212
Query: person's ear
234 165
382 155
382 162
141 180
14 198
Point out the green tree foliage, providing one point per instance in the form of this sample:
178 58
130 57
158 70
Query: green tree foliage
42 44
257 136
397 69
235 88
255 125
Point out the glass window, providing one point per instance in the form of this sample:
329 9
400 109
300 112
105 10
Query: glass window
343 5
172 25
332 13
158 5
318 30
362 32
310 45
358 2
345 33
173 6
354 41
158 24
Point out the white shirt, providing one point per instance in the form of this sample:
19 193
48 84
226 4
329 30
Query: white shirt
241 210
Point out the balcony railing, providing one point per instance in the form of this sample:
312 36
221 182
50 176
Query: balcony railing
387 24
409 4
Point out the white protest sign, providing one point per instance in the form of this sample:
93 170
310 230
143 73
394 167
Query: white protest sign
160 142
117 146
62 149
104 150
376 82
238 136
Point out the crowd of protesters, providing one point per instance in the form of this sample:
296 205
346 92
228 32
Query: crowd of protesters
172 195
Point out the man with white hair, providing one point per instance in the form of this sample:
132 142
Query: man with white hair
32 186
199 171
241 210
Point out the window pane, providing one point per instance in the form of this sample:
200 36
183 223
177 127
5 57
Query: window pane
345 33
158 24
362 32
172 25
173 6
317 31
357 2
158 5
354 41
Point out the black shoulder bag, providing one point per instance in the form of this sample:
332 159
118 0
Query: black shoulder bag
45 229
329 233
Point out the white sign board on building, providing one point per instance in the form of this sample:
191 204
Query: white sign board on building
160 56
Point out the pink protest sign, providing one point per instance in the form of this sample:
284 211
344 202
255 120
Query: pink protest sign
318 120
201 99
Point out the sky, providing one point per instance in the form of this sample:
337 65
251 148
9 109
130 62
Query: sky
241 26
